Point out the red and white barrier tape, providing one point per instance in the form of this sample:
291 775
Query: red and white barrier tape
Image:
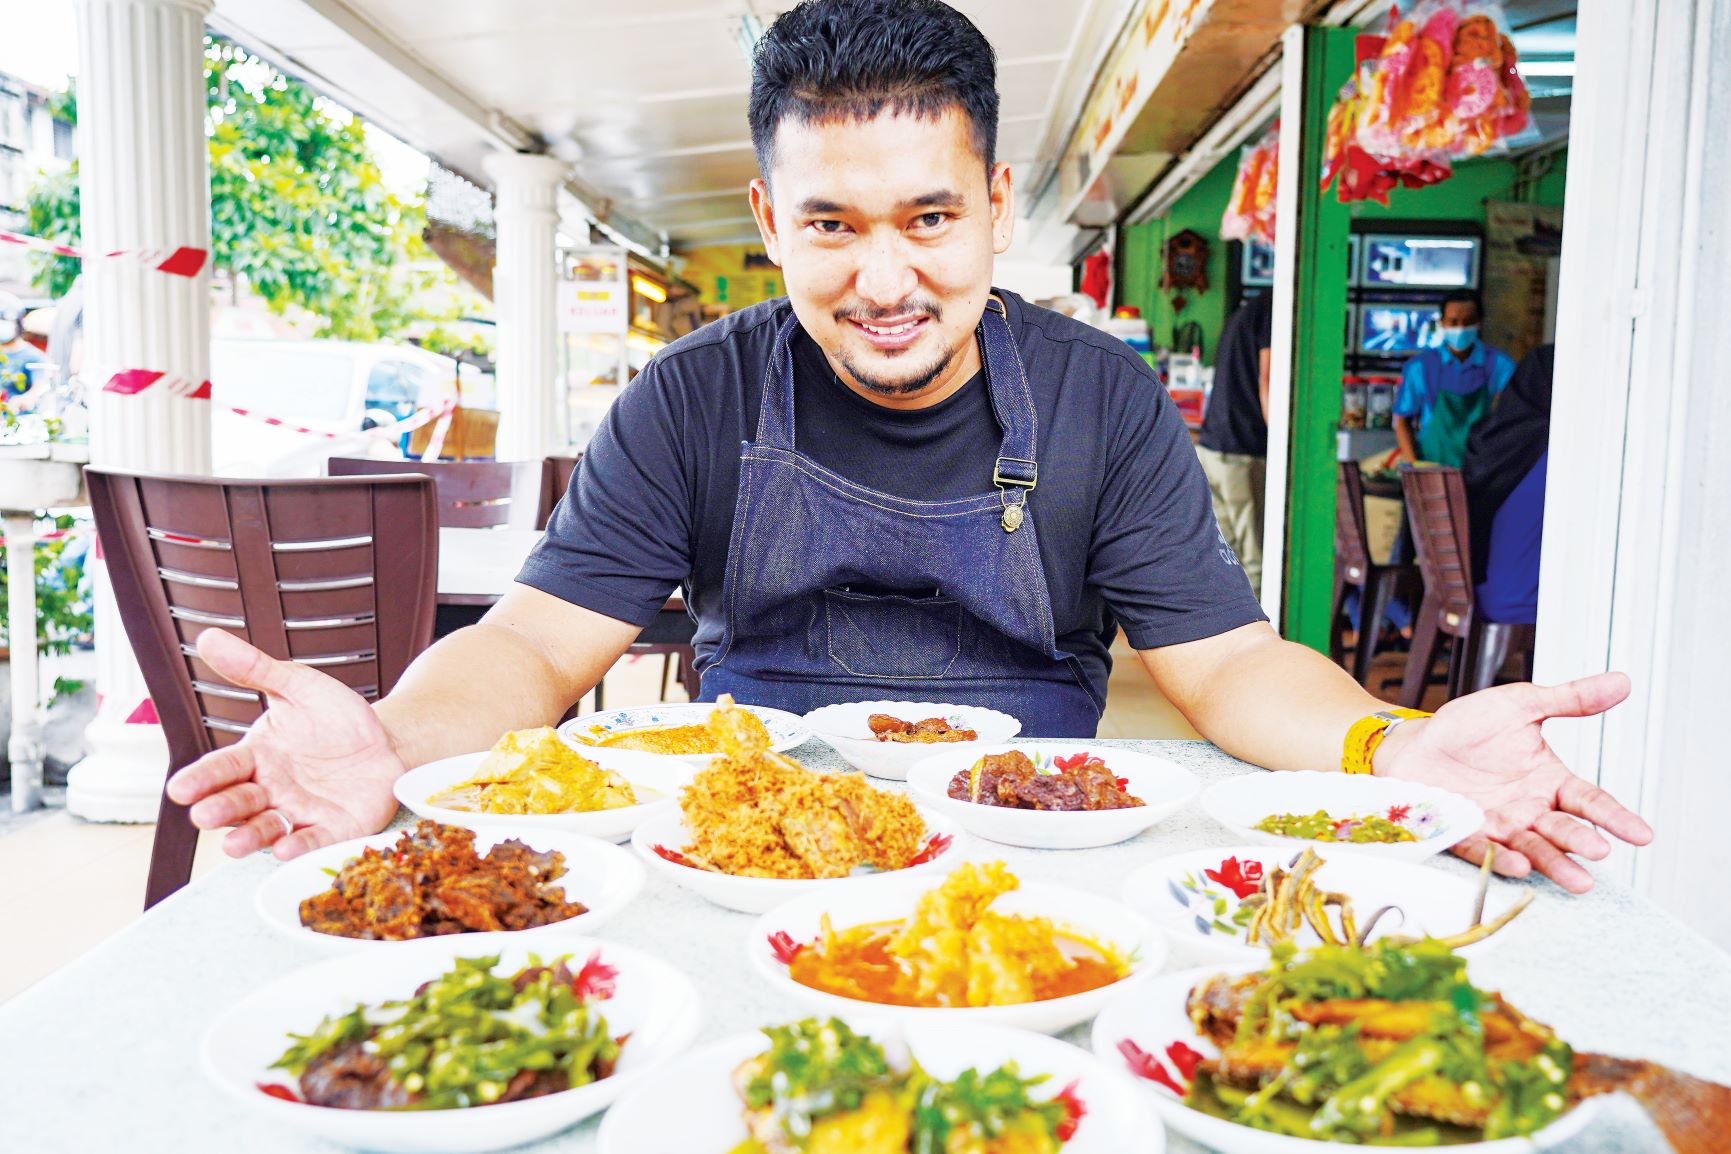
182 261
392 431
129 382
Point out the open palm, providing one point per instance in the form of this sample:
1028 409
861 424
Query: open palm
1488 747
316 768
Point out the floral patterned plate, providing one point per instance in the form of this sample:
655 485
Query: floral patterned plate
1435 818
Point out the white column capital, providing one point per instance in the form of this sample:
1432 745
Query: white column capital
199 8
525 180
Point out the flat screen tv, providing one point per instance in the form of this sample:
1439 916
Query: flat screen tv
1418 262
1394 329
1258 267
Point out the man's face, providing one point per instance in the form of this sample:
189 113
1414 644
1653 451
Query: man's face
885 231
1460 315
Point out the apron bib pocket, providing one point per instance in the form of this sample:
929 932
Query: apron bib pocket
892 635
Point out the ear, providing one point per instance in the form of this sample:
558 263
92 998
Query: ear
1003 208
764 212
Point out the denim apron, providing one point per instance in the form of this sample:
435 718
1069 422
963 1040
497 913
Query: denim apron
835 592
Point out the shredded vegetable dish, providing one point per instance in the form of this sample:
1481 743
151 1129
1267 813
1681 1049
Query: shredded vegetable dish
820 1088
532 771
469 1037
955 951
1324 826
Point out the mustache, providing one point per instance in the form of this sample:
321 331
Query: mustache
911 307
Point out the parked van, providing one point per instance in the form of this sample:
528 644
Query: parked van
326 393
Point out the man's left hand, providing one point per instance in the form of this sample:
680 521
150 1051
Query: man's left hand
1487 746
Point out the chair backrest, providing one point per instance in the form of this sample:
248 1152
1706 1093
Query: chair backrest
337 574
1436 507
1351 541
472 494
556 474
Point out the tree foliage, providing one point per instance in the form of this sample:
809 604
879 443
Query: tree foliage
299 209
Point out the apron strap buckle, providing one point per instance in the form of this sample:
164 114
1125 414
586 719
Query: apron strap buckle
1015 471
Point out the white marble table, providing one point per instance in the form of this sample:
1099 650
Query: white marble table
103 1056
478 565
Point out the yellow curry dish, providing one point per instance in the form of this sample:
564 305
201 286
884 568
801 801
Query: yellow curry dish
668 740
532 771
956 951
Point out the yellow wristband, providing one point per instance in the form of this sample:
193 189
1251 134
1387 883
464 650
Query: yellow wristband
1367 733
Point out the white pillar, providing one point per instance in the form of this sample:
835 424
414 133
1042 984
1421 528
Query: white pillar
525 275
143 185
1637 542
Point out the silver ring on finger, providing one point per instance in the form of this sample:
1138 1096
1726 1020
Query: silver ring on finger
288 826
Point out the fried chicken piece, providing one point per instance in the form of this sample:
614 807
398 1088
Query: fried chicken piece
883 725
1010 957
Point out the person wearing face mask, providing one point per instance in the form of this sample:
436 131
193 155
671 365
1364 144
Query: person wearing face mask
16 354
1445 392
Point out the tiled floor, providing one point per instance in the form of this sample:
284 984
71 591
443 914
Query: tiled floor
66 884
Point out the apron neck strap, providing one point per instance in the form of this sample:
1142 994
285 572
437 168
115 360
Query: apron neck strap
1012 399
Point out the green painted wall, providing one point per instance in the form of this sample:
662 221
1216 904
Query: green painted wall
1199 209
1461 197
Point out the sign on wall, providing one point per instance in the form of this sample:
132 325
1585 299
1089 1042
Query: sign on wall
591 307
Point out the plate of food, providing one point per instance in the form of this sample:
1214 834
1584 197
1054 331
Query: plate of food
1348 813
1052 796
1388 1044
885 738
1235 905
754 829
678 730
976 946
825 1086
454 1044
437 880
531 779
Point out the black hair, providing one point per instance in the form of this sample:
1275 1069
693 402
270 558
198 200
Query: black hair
1463 296
853 59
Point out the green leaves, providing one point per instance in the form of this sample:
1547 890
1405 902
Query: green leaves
298 207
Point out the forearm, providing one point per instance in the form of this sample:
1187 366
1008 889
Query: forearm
1403 437
522 666
1262 699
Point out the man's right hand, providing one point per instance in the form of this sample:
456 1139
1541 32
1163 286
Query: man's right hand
318 757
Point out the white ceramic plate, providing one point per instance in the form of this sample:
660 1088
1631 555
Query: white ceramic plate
1164 786
705 1113
1152 1016
657 779
601 875
844 729
652 1001
786 730
892 898
1439 818
757 895
1190 908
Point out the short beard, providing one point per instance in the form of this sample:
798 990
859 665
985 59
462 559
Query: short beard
903 388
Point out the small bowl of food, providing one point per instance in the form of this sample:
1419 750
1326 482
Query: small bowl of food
436 880
826 1086
976 946
680 730
1385 1045
1235 905
451 1045
1345 813
886 738
531 779
1052 796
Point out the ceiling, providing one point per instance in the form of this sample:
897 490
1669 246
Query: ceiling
647 99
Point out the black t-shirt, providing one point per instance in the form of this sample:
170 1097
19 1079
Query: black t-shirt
1233 422
1126 528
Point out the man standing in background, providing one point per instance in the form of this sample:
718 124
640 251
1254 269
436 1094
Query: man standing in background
1234 441
1445 392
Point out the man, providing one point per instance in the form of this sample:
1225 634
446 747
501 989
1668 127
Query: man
1445 392
18 357
1504 474
941 492
1233 446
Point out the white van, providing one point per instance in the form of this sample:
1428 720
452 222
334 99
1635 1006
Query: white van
336 389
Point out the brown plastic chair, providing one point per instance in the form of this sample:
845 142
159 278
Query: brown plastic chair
472 494
337 574
1377 584
556 474
1436 508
